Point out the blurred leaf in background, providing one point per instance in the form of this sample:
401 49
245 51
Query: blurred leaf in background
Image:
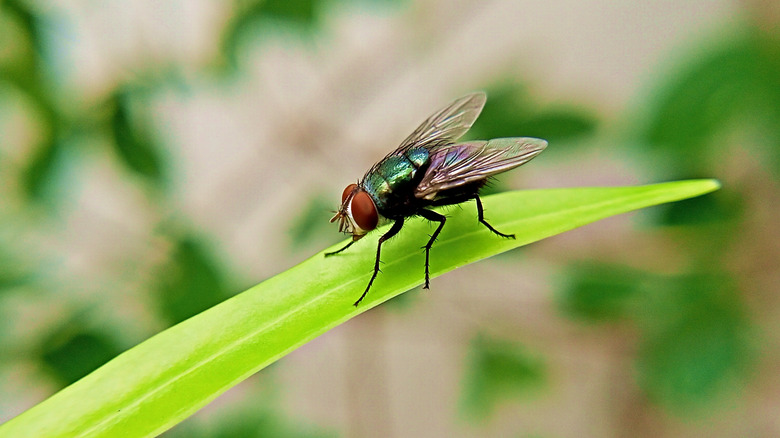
23 68
133 141
498 370
75 350
733 86
312 223
719 105
30 23
512 112
250 15
725 207
27 72
40 174
14 270
598 293
712 108
247 420
300 17
696 344
694 333
190 281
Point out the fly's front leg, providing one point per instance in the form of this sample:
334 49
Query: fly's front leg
392 232
327 254
435 217
481 216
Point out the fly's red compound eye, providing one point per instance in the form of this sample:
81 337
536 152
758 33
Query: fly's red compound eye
364 211
347 192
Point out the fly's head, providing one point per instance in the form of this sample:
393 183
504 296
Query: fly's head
358 214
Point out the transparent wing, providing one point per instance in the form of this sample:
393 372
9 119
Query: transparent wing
458 164
448 124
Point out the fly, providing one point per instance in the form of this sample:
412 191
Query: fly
428 170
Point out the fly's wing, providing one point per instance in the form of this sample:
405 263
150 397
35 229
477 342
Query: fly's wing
448 124
458 164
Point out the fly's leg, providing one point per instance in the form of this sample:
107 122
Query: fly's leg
436 217
327 254
392 232
481 216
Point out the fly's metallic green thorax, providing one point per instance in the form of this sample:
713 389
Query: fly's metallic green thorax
393 176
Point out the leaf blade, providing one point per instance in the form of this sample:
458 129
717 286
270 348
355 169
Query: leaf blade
158 383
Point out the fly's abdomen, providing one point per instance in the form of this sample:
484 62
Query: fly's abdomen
392 181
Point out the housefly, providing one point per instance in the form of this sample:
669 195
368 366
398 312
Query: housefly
429 169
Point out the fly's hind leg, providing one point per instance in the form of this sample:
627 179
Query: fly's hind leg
481 216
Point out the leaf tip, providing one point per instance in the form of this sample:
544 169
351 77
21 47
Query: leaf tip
704 185
714 183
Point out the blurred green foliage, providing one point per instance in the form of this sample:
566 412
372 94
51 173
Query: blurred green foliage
704 110
696 342
735 86
695 334
298 16
25 71
724 207
75 350
190 281
42 167
29 73
692 329
29 29
511 111
601 293
252 14
14 272
133 141
312 222
247 421
498 370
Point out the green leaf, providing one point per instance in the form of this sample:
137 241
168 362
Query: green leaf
499 369
30 23
558 124
15 270
739 81
311 222
696 342
133 142
511 110
40 173
722 206
74 351
600 293
158 383
189 282
247 420
693 332
298 15
300 11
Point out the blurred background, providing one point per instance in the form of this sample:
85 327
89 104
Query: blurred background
157 158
